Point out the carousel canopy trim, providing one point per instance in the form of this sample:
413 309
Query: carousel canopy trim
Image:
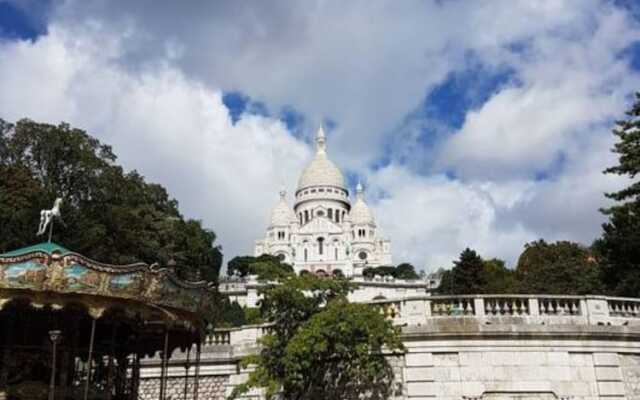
48 248
48 268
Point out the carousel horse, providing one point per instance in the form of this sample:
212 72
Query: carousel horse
46 216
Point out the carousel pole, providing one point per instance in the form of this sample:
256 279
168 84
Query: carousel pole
89 359
197 377
164 366
135 377
55 337
186 373
110 373
50 230
6 351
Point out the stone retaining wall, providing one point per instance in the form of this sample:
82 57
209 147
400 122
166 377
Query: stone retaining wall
209 388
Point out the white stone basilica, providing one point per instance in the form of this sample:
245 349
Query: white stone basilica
324 233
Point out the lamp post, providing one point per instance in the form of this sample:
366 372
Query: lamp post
55 337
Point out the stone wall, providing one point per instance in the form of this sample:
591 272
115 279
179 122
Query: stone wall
481 347
209 388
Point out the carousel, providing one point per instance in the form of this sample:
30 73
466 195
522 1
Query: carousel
75 328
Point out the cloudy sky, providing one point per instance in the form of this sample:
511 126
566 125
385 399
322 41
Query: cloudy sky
482 124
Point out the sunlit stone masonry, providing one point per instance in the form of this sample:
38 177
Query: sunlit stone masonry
469 347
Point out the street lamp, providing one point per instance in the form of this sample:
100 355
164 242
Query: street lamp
55 337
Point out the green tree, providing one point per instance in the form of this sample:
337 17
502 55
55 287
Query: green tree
232 314
111 215
265 266
239 266
557 268
402 271
619 245
406 271
498 278
321 346
466 277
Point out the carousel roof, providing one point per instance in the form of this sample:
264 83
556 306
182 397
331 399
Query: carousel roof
48 248
50 274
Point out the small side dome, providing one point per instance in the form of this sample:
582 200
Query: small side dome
282 214
360 213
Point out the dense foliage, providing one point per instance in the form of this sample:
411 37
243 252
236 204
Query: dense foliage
557 268
619 247
551 268
467 275
402 271
265 266
109 214
321 346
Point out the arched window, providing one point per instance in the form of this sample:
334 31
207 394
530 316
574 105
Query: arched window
320 245
336 253
337 215
330 213
306 216
306 255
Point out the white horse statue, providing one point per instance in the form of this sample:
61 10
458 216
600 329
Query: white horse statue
47 216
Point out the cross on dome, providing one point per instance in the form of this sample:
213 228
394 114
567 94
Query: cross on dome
359 190
321 141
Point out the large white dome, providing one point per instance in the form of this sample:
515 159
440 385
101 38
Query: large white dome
321 171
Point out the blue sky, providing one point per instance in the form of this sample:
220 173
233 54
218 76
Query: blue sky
483 124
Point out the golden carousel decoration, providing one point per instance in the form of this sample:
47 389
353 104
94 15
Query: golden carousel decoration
74 328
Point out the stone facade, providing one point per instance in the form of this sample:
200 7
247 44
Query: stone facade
246 291
486 347
324 233
209 388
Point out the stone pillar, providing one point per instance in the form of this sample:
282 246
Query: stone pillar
596 310
414 312
478 306
534 307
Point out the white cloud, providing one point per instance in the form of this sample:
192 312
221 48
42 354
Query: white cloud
172 129
149 83
432 219
570 87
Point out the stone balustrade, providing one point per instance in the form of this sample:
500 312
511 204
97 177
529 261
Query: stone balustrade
247 335
549 309
555 309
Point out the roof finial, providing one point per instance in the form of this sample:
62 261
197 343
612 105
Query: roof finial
359 190
283 194
321 141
